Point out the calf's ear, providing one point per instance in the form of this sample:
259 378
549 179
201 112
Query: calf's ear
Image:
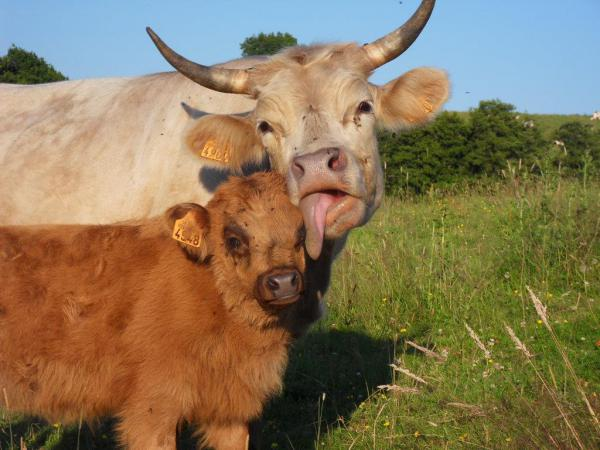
412 99
227 140
189 225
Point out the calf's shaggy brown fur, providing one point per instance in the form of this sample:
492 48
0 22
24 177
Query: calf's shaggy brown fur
123 320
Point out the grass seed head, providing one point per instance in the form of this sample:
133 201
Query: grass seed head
478 342
539 307
518 343
408 373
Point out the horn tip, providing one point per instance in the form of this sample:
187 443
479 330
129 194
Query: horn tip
157 41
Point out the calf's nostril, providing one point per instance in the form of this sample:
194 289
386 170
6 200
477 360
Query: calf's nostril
294 280
273 284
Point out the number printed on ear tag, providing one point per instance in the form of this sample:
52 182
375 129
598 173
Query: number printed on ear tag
211 150
185 230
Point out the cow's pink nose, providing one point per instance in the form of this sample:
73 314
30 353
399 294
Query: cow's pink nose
324 161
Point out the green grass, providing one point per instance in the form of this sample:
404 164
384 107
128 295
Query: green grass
548 123
419 271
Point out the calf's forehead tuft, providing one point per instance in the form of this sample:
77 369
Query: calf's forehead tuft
260 187
259 204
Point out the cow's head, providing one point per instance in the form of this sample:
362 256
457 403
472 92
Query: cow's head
315 117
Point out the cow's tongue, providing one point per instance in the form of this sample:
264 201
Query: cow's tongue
314 209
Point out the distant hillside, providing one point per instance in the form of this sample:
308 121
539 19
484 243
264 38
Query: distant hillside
548 123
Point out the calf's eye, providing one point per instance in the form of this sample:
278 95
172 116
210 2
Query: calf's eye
365 107
233 243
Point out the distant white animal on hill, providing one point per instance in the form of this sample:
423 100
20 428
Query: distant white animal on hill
596 116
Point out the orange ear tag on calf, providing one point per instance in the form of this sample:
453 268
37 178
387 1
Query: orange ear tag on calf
185 230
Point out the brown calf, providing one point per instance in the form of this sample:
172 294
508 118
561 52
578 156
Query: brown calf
123 320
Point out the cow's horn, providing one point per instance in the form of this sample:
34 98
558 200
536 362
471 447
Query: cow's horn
233 81
395 43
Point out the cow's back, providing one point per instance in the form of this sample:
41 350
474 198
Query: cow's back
101 151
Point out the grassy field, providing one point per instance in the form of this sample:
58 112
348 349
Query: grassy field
549 123
426 270
423 272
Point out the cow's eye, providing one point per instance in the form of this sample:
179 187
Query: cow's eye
365 107
264 127
233 243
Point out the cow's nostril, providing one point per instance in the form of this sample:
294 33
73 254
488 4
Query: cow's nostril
294 280
337 161
333 163
324 162
297 169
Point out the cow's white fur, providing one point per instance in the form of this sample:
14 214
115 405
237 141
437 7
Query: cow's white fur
102 150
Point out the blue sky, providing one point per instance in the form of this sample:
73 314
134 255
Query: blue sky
541 55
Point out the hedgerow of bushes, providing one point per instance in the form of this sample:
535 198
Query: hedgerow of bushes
483 145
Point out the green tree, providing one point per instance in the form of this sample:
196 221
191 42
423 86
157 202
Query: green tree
19 66
579 148
267 44
497 136
420 158
452 150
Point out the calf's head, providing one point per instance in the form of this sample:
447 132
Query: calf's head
253 238
315 118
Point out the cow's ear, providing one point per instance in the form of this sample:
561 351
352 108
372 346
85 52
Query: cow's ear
189 224
412 99
225 139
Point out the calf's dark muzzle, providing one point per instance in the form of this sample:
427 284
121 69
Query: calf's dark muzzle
280 286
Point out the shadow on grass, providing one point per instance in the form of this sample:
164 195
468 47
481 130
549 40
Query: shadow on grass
345 366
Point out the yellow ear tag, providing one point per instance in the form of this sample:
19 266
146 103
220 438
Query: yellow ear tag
427 106
185 230
212 151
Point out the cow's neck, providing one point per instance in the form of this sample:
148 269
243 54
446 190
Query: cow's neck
318 274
